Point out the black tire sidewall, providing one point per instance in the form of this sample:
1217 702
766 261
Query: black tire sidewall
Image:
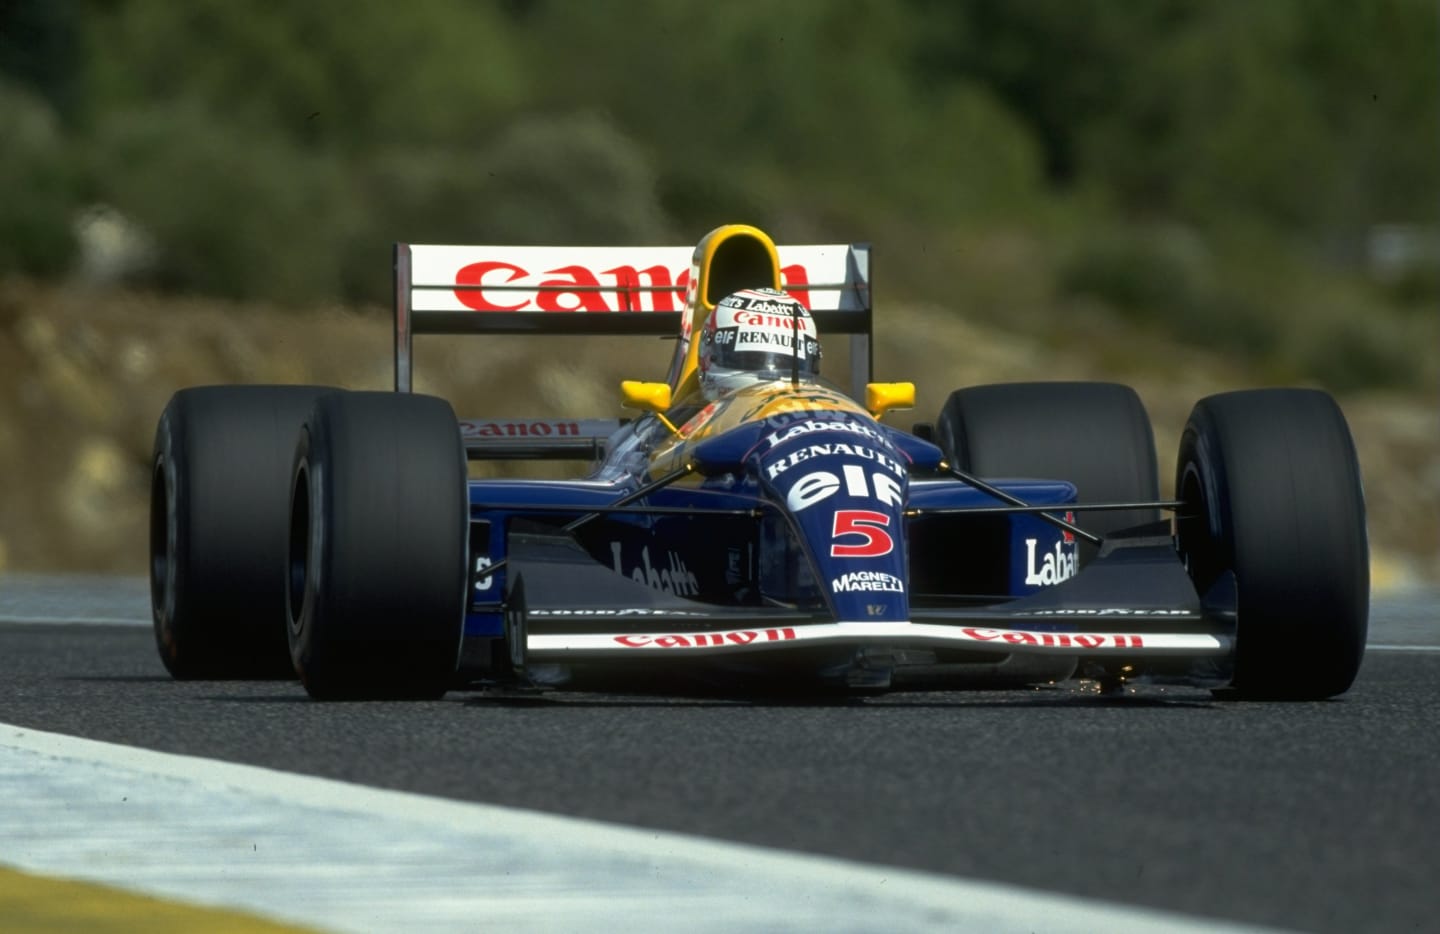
219 510
1282 507
385 585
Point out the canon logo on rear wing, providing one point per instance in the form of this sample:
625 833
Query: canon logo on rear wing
471 428
496 285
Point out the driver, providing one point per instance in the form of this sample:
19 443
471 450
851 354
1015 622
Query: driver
750 338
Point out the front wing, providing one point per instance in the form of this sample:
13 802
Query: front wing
1133 602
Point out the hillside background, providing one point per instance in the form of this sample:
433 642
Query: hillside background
1187 197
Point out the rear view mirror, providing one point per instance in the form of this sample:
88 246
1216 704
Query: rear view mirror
648 397
883 397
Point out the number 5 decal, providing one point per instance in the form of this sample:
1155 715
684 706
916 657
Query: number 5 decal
866 524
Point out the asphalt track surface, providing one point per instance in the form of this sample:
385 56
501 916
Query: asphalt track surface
1315 816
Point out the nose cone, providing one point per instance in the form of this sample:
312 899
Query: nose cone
846 488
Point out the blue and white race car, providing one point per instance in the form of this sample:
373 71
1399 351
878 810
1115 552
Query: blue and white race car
756 526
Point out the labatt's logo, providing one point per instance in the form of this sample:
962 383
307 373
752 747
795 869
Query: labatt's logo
1055 567
781 435
676 578
495 285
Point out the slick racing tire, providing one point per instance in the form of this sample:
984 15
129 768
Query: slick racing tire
379 522
1095 435
1271 491
219 524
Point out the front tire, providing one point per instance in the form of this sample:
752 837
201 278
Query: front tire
379 525
1272 494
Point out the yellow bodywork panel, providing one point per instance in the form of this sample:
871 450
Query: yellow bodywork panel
747 405
726 260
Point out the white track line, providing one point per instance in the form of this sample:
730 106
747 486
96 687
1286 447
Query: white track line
1385 647
350 858
24 619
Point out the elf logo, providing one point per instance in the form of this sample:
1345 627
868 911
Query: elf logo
820 485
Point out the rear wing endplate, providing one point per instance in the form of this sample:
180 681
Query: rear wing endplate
605 291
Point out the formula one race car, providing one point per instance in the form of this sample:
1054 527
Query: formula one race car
755 526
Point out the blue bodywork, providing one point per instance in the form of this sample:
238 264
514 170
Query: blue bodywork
830 511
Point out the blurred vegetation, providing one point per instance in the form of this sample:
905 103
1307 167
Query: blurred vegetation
1212 171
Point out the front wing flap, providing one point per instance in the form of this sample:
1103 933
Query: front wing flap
768 635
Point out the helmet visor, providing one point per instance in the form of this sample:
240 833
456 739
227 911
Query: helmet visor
766 352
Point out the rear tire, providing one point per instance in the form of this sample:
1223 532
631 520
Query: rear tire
219 519
1272 494
379 527
1094 435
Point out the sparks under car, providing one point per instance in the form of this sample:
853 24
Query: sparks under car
775 531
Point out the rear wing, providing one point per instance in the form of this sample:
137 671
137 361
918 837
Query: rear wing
604 291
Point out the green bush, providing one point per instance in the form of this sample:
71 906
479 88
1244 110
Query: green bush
1365 349
38 188
1146 274
1265 306
1190 167
574 178
323 73
1166 279
566 179
1416 288
230 213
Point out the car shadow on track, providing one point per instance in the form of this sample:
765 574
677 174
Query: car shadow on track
948 701
1068 697
118 679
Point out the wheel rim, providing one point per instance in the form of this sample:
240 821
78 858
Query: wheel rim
1195 538
298 558
163 535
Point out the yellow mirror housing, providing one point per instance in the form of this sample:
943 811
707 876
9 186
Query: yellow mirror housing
649 397
882 397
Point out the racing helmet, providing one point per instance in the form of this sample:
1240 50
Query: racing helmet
751 337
